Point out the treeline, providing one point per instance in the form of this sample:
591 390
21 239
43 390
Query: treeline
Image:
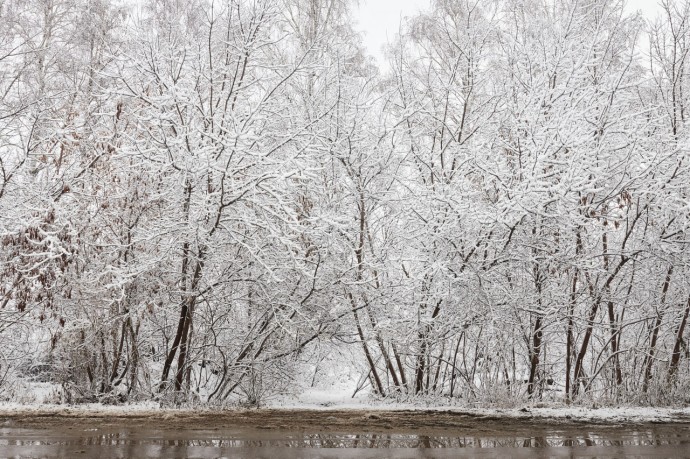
200 199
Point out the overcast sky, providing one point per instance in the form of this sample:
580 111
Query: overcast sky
379 19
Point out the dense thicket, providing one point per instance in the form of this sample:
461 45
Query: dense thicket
216 200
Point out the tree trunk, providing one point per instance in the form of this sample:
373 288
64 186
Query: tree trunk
367 353
534 356
649 359
569 336
675 357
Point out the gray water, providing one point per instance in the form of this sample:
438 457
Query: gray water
511 441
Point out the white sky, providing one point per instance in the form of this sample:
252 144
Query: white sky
379 19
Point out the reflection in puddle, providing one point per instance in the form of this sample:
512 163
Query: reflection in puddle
91 437
665 441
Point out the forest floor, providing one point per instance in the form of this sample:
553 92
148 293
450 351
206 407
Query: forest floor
373 418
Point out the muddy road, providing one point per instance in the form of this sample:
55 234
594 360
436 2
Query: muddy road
328 434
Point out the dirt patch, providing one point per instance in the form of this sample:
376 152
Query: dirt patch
412 421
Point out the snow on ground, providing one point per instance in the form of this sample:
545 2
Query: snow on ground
339 396
319 400
327 400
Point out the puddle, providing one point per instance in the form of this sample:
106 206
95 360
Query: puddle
83 441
